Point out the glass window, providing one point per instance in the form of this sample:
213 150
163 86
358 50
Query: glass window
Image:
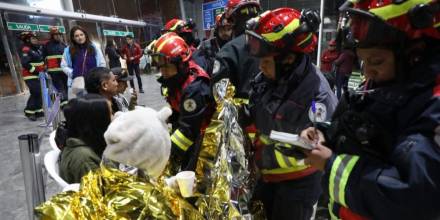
15 24
114 32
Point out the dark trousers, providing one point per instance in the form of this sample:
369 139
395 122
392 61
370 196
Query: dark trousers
290 200
34 103
341 83
132 69
59 81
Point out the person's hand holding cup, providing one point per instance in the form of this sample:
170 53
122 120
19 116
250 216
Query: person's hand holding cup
186 181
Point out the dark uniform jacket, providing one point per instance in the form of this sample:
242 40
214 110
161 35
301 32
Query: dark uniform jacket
285 106
386 161
192 106
205 54
234 62
32 61
53 52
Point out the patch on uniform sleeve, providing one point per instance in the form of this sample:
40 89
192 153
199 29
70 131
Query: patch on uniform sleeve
321 112
437 135
216 67
189 105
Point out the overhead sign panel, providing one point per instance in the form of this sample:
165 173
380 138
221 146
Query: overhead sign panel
210 11
15 26
116 33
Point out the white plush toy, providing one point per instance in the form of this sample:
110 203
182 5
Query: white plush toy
140 138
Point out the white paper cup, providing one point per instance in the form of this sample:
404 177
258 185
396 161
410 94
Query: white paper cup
186 181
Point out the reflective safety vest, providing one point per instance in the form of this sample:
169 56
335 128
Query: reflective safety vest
274 165
285 107
339 174
54 53
32 73
197 111
53 63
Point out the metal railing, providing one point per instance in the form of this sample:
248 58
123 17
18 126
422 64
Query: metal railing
51 101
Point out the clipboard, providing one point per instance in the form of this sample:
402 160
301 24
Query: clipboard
292 139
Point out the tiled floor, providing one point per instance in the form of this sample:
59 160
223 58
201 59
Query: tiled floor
12 124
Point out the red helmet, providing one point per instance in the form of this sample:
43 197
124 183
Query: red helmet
25 35
283 29
381 22
234 5
179 26
170 48
220 20
54 30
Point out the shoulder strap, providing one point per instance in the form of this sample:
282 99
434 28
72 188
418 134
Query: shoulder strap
84 63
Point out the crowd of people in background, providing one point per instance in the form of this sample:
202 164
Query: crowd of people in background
69 65
374 150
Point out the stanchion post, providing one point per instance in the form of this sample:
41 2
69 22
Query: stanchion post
32 165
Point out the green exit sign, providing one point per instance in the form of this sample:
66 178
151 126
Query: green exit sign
117 33
22 26
14 26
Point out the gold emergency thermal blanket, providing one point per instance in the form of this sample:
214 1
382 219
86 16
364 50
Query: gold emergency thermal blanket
224 181
223 166
112 194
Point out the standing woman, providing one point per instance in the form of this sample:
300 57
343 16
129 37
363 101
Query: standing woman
32 61
80 57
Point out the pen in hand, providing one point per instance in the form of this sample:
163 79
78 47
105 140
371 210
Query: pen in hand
316 138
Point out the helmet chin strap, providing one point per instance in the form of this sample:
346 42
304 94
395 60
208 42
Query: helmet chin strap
407 56
183 68
281 69
188 37
239 23
176 80
239 27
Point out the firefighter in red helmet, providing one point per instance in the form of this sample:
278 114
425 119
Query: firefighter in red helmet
287 96
32 62
380 153
186 88
208 49
233 60
53 52
184 29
